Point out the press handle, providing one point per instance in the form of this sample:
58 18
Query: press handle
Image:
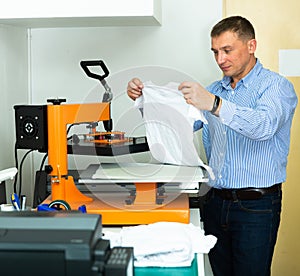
85 64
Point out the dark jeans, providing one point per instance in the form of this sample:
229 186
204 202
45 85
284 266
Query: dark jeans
246 231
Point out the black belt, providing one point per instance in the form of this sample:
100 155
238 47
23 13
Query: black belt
246 193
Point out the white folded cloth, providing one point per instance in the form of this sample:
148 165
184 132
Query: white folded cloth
163 244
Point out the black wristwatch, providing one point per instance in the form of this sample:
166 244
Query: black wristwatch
216 104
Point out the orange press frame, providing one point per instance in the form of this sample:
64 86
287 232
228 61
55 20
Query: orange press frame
144 208
59 116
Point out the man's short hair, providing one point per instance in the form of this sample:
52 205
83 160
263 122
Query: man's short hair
236 24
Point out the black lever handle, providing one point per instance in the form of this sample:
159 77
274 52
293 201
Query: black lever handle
85 64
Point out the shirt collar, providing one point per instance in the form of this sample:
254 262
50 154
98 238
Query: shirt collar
246 81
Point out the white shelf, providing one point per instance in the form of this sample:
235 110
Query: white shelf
78 13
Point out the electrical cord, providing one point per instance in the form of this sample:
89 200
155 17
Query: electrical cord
16 164
75 124
70 126
38 176
43 161
19 174
21 168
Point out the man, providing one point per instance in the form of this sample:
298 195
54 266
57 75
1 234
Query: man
247 147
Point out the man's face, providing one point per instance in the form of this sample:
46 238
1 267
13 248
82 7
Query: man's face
234 56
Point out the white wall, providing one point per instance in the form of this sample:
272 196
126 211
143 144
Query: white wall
13 88
181 43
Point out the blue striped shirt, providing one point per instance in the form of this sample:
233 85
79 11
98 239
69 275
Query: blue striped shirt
248 144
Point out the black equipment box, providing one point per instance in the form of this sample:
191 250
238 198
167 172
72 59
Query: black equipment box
59 243
31 127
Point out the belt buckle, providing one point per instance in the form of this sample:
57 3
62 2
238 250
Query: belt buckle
235 196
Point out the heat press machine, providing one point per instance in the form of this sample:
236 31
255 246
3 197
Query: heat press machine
45 128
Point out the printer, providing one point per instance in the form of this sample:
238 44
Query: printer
64 243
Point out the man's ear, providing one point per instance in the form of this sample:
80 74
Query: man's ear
252 46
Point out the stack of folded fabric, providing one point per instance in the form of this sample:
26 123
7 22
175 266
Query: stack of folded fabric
164 244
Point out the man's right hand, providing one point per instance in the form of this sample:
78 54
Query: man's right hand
134 88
